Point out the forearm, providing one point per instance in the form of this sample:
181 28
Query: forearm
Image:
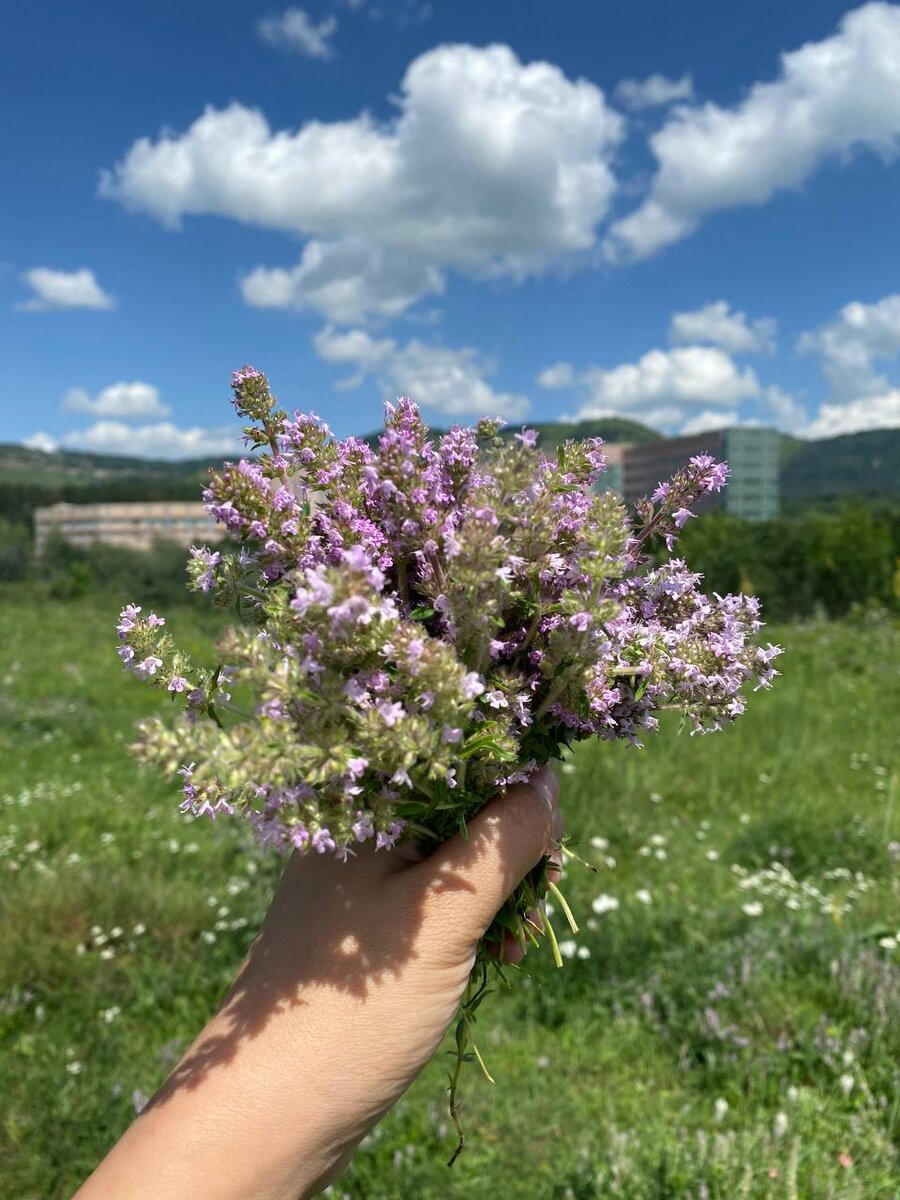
249 1111
345 996
275 1094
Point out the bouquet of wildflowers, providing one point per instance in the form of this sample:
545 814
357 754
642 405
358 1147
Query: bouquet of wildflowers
424 624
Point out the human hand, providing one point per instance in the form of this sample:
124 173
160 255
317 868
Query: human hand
356 974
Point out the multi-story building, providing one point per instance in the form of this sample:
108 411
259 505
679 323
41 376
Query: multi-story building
752 455
135 525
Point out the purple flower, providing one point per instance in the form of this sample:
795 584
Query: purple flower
472 685
681 516
241 378
128 619
356 767
149 666
177 684
387 839
363 828
389 713
322 841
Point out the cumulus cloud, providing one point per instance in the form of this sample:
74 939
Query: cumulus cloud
869 412
295 30
702 422
717 324
685 375
41 441
653 92
346 281
560 375
860 396
159 440
451 382
490 167
832 97
850 345
668 389
127 401
60 290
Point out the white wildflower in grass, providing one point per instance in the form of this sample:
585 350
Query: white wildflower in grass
74 1067
753 908
643 896
425 622
604 904
846 1084
780 1125
720 1110
568 949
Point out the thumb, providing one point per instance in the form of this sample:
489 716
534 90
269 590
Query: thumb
469 879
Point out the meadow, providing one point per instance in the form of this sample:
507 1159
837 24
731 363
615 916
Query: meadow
726 1023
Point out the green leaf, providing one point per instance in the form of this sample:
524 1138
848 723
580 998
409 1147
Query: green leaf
462 1035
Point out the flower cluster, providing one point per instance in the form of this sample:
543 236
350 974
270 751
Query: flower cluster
426 621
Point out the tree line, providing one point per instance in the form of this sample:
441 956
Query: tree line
816 562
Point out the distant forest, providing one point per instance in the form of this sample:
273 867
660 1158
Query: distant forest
823 474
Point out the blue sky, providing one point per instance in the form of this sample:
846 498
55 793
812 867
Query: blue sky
684 214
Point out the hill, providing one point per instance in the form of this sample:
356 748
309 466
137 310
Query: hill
553 433
30 479
825 474
20 464
858 465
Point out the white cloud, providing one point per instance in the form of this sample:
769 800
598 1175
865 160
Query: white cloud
860 396
346 281
560 375
784 411
491 166
652 92
850 345
295 30
731 331
451 382
59 290
41 441
832 97
160 440
869 412
702 422
127 401
668 389
685 375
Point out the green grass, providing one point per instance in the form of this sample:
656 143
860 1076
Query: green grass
694 1050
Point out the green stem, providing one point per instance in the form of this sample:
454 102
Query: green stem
554 944
563 904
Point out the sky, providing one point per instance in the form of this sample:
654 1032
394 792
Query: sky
537 209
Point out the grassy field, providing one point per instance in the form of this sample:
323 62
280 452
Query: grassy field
726 1024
